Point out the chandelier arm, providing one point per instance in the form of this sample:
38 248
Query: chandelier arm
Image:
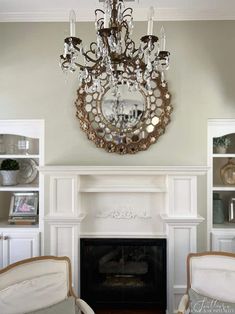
99 10
88 58
126 16
92 49
129 44
129 14
63 64
127 37
100 19
81 67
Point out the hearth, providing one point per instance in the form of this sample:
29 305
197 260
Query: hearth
123 273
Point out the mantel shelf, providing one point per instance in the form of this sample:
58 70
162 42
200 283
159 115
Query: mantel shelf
4 156
123 189
20 187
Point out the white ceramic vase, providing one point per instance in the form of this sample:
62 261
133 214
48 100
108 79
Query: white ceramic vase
9 177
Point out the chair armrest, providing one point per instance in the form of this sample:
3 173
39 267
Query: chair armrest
183 304
84 307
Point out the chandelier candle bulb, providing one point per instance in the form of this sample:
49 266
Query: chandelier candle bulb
106 20
72 21
106 15
162 39
150 21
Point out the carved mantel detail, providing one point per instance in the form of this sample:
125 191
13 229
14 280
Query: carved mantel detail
123 213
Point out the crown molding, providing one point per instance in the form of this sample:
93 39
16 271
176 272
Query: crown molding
87 15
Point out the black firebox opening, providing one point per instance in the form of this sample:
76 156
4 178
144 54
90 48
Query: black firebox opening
123 273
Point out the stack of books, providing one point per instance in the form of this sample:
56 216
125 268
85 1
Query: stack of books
23 220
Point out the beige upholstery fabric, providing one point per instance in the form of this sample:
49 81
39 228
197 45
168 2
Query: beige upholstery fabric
200 304
36 284
213 276
33 294
34 269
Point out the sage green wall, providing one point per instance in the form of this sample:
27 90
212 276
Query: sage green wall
201 80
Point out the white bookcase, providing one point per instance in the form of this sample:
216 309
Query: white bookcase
20 241
221 236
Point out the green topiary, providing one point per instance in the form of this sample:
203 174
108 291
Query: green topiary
10 164
222 141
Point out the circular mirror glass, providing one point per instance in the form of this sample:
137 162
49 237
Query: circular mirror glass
124 109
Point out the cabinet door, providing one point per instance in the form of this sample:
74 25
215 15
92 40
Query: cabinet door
18 246
223 242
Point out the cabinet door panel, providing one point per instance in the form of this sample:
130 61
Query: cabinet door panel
18 246
223 242
64 242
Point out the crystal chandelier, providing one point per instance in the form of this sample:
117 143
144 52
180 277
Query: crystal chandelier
114 52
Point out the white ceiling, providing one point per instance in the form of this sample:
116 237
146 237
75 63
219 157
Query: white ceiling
172 10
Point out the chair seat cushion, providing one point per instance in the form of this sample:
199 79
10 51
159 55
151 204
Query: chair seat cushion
67 306
199 303
33 294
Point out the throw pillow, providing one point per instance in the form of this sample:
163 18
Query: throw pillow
67 306
205 305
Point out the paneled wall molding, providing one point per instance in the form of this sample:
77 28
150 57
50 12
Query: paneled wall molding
63 191
182 240
124 202
182 191
64 241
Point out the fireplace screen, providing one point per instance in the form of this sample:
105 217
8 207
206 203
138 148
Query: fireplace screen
123 272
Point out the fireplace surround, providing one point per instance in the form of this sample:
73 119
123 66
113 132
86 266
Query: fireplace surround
122 203
123 273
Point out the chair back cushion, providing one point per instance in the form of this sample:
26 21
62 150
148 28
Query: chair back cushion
213 276
33 285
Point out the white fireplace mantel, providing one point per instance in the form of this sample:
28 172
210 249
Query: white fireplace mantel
124 202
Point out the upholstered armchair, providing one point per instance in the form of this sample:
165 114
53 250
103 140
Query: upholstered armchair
39 283
210 274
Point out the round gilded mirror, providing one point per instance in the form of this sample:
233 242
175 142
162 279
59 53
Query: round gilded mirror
124 119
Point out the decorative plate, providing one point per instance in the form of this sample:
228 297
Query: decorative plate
28 171
227 172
